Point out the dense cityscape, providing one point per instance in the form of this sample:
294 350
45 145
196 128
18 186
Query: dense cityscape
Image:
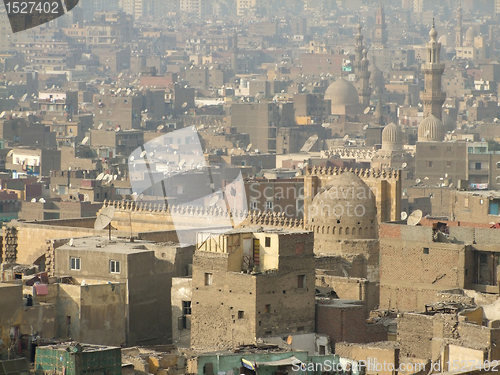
249 187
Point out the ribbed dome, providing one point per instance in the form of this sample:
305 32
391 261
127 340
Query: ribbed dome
431 129
392 137
449 123
344 210
342 93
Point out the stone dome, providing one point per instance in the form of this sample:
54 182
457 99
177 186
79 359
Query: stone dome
342 93
431 129
451 50
392 137
448 123
344 209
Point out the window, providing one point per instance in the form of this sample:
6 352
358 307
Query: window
114 266
267 310
269 205
301 281
254 205
426 250
268 241
478 166
448 163
208 278
429 164
186 307
75 264
241 314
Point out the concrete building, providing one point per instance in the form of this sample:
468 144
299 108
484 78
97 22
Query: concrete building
148 309
262 122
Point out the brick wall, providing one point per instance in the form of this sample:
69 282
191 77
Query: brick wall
341 322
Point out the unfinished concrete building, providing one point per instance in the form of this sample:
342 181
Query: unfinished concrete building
418 261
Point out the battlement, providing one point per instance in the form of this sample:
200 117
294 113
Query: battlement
247 218
362 173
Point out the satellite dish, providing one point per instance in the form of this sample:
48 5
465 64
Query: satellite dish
404 215
99 127
182 163
366 127
33 200
100 176
414 218
249 147
71 242
132 158
418 180
184 105
367 110
289 340
160 127
142 154
104 219
404 165
41 200
346 137
2 114
85 140
10 153
213 201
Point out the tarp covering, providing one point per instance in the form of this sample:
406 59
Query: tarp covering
281 362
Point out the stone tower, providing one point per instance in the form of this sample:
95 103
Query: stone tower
364 76
380 30
459 35
432 97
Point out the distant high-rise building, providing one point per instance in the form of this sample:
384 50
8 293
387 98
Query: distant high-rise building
380 35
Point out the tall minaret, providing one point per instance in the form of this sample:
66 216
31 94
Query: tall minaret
234 54
459 35
364 76
358 49
432 97
380 30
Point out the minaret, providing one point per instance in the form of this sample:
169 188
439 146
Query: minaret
358 49
432 97
380 31
378 116
407 102
364 76
459 35
234 54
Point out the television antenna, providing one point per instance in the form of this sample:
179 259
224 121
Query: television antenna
104 219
